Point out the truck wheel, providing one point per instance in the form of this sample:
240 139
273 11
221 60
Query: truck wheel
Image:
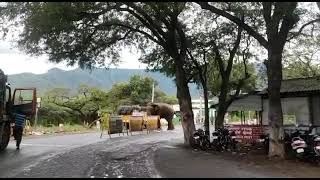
5 138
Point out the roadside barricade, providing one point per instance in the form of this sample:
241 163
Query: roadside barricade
152 123
136 123
115 125
125 119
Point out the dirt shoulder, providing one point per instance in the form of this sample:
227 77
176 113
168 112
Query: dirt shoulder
58 134
175 161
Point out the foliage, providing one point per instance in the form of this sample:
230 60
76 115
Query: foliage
57 107
50 114
137 91
301 58
236 75
71 109
167 99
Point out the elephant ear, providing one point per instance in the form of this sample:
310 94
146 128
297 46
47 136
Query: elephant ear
155 107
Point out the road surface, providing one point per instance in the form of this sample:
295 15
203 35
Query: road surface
85 155
35 149
158 154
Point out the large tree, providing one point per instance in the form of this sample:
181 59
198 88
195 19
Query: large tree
276 19
88 32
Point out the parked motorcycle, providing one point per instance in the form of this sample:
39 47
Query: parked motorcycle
216 140
264 139
233 141
200 140
223 140
313 145
296 145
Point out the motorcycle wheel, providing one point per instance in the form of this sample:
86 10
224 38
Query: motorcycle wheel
206 145
194 143
215 145
234 145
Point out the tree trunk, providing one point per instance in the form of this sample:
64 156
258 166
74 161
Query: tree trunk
206 109
222 106
276 146
220 115
184 98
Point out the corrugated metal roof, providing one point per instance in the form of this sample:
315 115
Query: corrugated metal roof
247 103
298 85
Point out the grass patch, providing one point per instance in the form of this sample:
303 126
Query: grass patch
67 128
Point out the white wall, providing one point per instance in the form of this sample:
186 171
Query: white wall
297 106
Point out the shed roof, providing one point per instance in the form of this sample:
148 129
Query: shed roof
298 85
247 102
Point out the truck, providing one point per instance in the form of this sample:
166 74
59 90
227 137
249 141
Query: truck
23 101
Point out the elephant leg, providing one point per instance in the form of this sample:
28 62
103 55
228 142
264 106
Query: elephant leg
159 124
170 124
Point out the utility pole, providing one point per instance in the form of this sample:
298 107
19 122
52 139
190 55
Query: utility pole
152 92
36 115
200 109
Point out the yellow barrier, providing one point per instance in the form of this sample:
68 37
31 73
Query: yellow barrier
125 118
152 123
135 123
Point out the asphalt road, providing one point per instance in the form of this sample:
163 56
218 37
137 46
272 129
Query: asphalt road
158 154
34 150
85 155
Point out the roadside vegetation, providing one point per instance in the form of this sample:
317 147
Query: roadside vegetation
78 111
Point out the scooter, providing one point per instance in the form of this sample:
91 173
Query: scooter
298 144
313 145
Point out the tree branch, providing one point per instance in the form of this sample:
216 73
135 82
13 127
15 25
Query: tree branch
107 24
288 22
295 34
233 51
157 31
250 30
218 59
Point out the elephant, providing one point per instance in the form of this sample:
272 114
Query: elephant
161 109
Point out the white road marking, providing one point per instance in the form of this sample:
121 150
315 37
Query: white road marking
45 145
167 146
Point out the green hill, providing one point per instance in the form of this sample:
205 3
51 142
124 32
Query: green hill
98 78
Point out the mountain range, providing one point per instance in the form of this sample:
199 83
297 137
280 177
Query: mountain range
99 77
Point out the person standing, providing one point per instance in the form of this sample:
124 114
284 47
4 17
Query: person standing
18 128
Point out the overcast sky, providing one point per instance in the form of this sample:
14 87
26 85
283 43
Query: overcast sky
12 61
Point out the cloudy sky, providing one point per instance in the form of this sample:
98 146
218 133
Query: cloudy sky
12 61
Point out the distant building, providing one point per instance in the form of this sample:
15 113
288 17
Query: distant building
198 109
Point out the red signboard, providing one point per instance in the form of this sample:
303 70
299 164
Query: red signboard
246 133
